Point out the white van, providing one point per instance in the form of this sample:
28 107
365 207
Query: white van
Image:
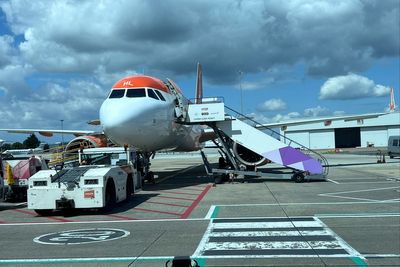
394 146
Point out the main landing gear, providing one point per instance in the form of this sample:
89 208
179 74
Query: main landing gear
143 167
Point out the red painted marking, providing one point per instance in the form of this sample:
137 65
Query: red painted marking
121 217
179 193
199 186
180 198
49 217
194 189
195 203
158 211
168 204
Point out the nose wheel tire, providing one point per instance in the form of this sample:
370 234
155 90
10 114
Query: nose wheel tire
298 177
110 198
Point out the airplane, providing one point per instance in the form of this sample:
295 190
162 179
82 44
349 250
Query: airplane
141 111
146 113
24 152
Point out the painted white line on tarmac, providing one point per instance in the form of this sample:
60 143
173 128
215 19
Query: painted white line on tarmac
76 260
96 222
362 215
352 198
340 194
381 182
394 199
269 233
210 212
217 206
333 181
259 245
357 191
307 203
289 224
381 255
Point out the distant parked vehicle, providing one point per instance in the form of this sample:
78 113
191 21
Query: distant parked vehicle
15 172
1 180
394 146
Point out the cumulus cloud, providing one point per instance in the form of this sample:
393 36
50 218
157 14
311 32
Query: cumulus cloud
261 118
328 37
75 103
272 105
308 113
339 113
351 86
88 45
12 80
286 117
6 50
316 111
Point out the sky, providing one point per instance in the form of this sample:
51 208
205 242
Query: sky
273 60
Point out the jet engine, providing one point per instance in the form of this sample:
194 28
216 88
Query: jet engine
88 141
248 157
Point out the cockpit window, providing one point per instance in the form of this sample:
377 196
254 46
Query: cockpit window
160 95
137 92
117 93
151 94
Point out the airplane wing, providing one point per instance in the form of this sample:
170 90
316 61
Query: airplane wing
325 120
48 133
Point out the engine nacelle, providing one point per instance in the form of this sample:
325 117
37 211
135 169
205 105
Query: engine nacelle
248 157
88 141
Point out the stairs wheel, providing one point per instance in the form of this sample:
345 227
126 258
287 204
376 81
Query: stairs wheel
218 179
298 177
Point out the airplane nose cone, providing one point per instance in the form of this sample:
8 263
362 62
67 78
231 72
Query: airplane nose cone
115 117
112 116
126 122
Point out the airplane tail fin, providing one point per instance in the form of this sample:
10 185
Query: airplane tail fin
392 104
199 84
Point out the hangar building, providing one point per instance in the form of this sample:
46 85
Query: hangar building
345 132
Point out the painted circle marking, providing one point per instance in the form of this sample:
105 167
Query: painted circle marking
81 236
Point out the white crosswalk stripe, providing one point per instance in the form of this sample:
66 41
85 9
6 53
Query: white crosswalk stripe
271 237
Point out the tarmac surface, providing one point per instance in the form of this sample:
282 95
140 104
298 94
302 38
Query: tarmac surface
352 219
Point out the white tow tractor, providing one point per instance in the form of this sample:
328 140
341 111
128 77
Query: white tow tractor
105 177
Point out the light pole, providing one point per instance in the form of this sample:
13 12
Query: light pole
62 134
241 91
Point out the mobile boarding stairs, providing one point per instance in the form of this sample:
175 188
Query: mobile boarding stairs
304 163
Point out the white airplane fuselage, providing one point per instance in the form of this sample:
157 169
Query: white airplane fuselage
140 112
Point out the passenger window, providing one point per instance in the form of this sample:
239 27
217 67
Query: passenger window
395 142
152 94
160 95
117 93
138 92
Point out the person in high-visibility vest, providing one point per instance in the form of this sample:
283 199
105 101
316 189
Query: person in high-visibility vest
9 175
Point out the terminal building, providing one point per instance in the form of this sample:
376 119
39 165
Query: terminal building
369 130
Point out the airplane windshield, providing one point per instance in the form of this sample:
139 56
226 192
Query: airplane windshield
152 94
159 95
137 92
117 93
